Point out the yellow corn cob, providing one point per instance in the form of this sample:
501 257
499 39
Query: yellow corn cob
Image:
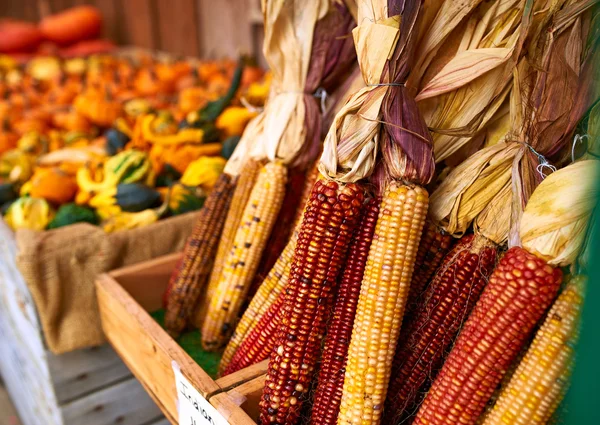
540 382
253 232
239 199
267 293
381 303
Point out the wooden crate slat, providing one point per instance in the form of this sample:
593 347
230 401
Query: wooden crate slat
125 403
140 20
141 342
83 371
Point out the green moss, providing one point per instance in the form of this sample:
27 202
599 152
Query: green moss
190 342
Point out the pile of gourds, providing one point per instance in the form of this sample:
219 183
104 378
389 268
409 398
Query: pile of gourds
117 141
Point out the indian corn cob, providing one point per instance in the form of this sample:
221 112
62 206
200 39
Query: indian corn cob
240 196
520 289
261 340
329 220
269 290
257 221
331 375
435 244
446 304
190 277
381 303
541 379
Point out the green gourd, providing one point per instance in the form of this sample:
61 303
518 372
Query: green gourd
72 213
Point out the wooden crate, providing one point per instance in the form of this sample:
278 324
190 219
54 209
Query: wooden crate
90 386
125 297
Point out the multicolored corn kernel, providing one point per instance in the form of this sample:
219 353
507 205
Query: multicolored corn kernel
519 291
445 306
240 266
383 295
329 221
191 276
330 381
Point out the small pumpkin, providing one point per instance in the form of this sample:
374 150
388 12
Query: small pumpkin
72 25
71 120
87 48
54 185
18 36
101 110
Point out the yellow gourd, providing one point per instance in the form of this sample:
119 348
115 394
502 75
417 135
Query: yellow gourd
234 119
204 172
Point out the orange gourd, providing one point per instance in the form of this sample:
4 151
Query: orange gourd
54 185
71 121
72 25
102 111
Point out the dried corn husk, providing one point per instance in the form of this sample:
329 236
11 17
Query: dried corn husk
556 218
383 111
462 88
511 166
306 49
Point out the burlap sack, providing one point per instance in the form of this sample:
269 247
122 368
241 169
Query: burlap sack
60 266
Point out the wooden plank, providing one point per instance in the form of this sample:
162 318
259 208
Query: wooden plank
111 19
225 27
31 393
178 26
241 376
162 422
231 411
125 403
144 346
139 19
83 371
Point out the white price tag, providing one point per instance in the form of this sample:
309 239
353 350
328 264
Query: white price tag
193 408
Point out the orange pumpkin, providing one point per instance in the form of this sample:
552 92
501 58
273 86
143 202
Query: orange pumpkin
87 48
251 74
100 111
54 185
72 25
18 36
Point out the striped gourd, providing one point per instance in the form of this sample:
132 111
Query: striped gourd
331 374
381 303
243 188
541 379
267 293
519 290
190 277
446 304
325 233
257 221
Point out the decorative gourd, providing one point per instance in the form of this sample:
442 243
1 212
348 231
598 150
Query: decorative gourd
54 185
72 25
129 197
8 141
115 141
204 172
229 146
185 199
100 110
29 213
72 213
234 119
18 36
16 165
7 192
71 121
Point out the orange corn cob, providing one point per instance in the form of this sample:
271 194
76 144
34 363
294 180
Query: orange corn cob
331 376
267 293
243 188
541 379
434 245
189 278
258 219
383 295
325 233
261 340
519 291
446 304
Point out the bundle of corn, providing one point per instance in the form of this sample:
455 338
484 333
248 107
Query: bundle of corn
192 271
479 191
291 134
552 232
382 117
